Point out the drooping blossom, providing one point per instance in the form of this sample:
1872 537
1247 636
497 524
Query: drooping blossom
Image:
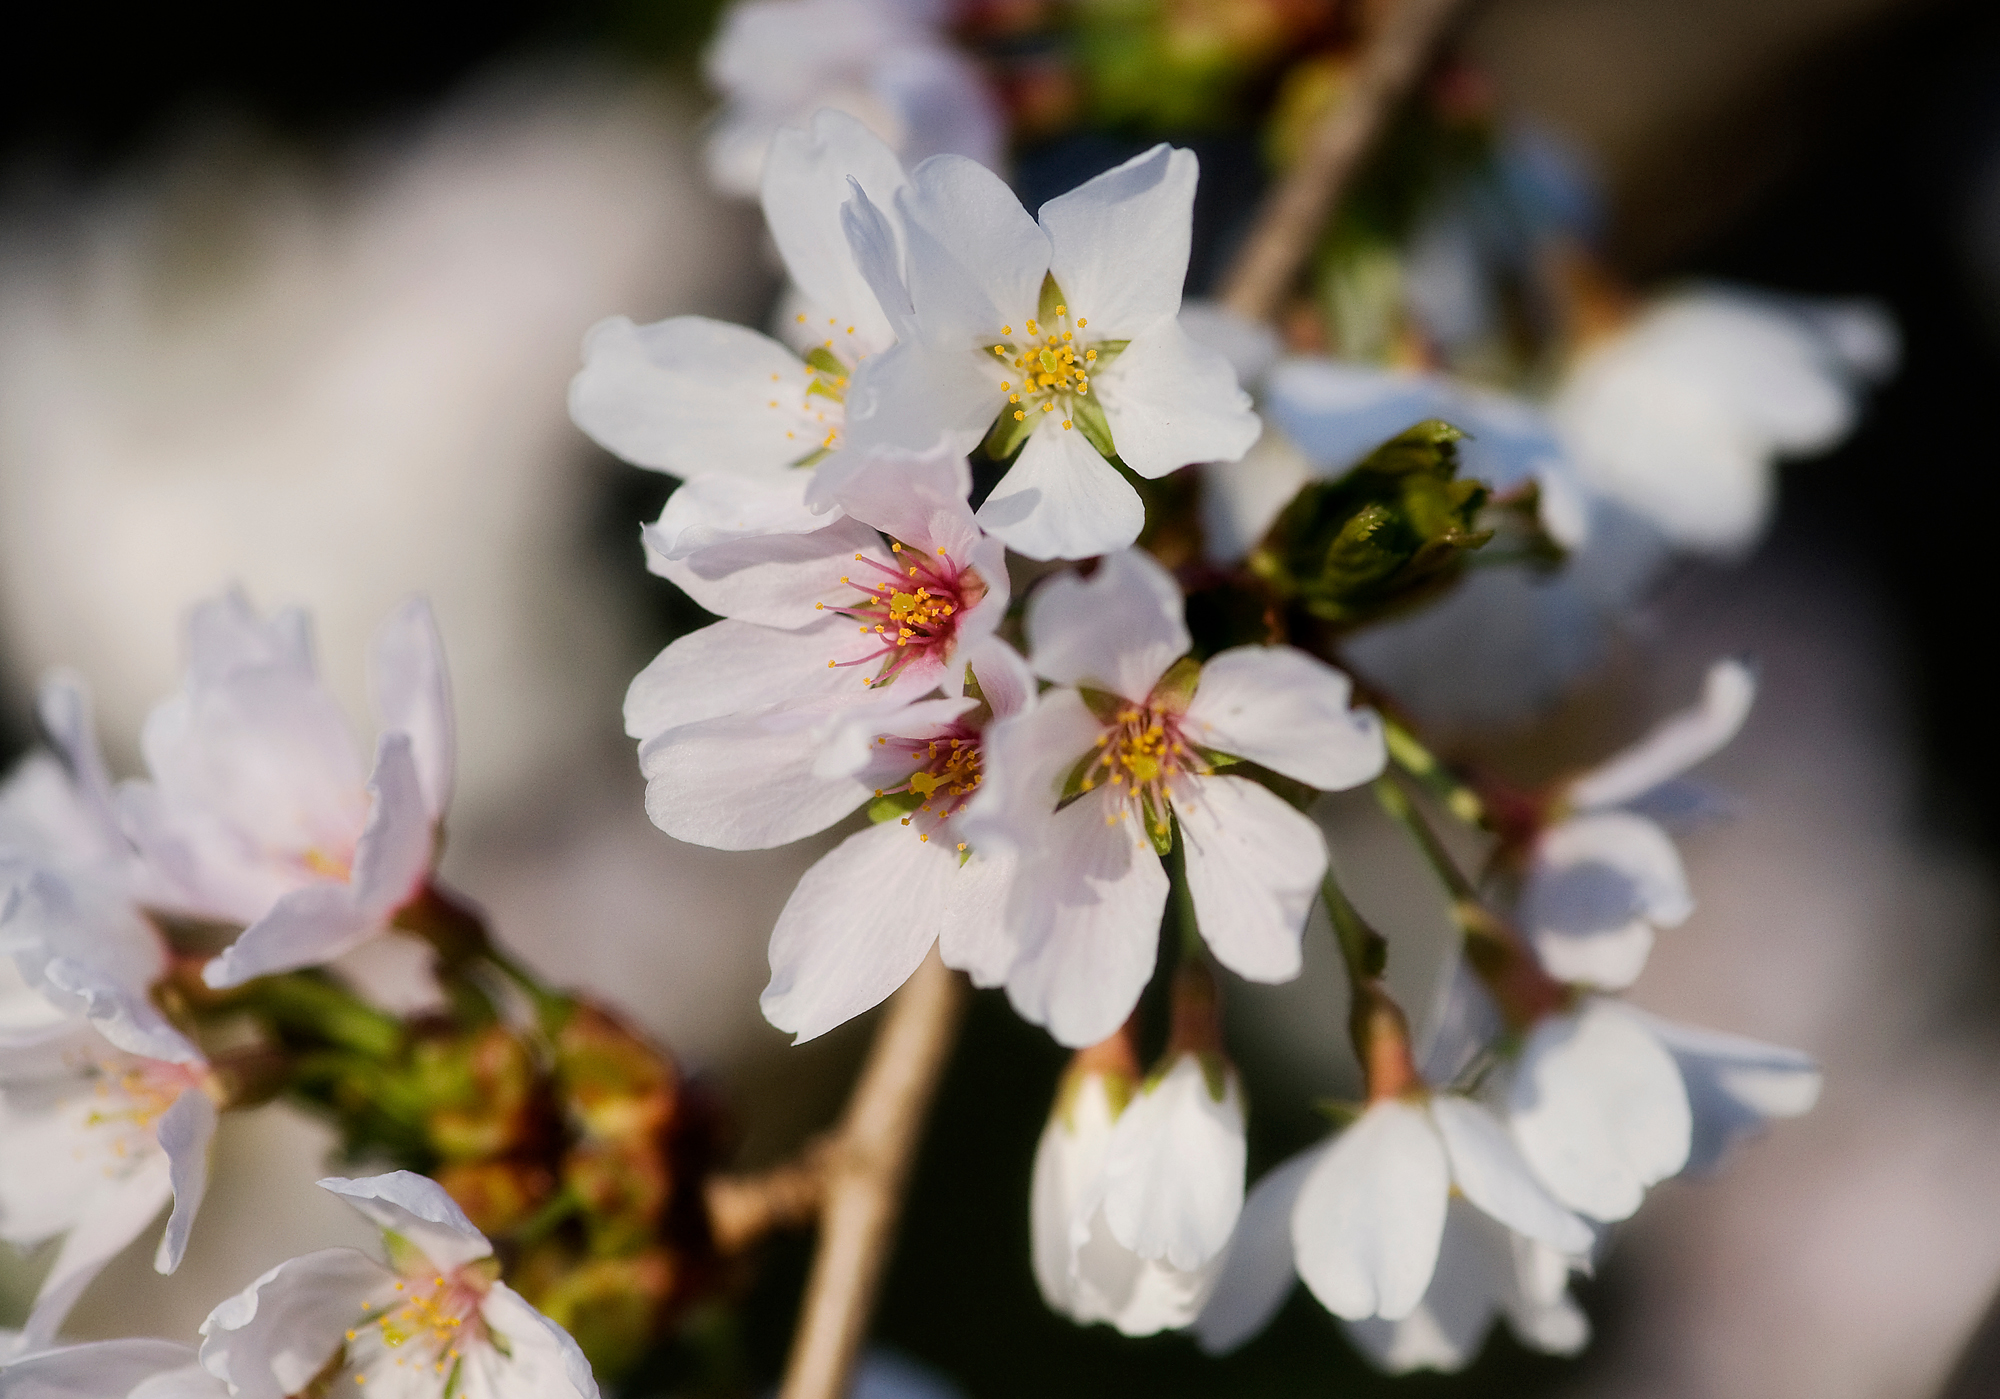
693 396
258 810
1131 754
129 1368
1682 415
1060 335
826 633
887 63
434 1320
98 1141
1601 877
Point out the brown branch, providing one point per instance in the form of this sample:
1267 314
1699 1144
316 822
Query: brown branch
1289 221
867 1161
744 1208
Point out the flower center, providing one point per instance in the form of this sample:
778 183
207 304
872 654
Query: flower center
947 775
824 392
423 1327
1054 367
914 610
1138 756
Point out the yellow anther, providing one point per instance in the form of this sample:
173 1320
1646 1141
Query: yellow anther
1048 408
921 836
1032 330
1065 424
961 847
1081 322
1006 330
850 330
1018 414
1090 354
1065 335
802 318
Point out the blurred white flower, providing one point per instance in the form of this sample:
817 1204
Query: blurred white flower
132 1368
1092 783
693 395
1103 369
887 63
433 1321
1600 879
1366 1222
738 721
97 1142
1682 415
259 812
1084 1272
1172 1181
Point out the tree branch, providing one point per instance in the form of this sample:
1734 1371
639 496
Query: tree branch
867 1161
1289 221
744 1208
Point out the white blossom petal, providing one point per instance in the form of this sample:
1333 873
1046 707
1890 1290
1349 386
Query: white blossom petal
1596 887
117 1215
1734 1085
1258 1269
914 398
805 183
1170 402
976 260
1025 757
1117 630
1254 863
916 498
185 1131
745 781
1120 242
1241 500
1487 1168
540 1358
1597 1107
95 1370
272 1338
417 1209
412 693
1172 1185
1061 500
976 939
730 667
1371 1214
1280 707
1068 1158
1676 745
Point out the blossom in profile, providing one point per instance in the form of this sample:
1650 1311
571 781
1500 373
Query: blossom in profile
1682 415
433 1320
1604 875
129 1368
693 396
887 63
1133 753
1056 337
756 730
258 810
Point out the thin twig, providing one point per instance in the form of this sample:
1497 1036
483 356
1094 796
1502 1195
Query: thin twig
868 1160
1290 219
744 1208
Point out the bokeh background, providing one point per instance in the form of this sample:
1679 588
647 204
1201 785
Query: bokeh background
293 303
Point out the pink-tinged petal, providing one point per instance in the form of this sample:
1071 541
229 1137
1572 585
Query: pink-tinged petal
1173 1172
748 548
272 1338
1061 500
1117 630
1597 885
394 855
541 1358
1487 1169
806 175
1258 1269
913 398
1024 758
859 923
1280 707
185 1382
1371 1214
117 1215
95 1370
745 782
412 691
62 705
735 667
976 260
1735 1086
304 928
1086 910
1171 402
417 1209
1676 745
185 1131
916 498
1119 242
1597 1107
976 939
691 395
226 636
1254 863
1004 678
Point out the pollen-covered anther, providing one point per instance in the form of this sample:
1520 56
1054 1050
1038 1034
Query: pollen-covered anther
915 610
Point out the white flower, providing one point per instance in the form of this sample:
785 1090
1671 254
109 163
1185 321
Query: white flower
692 395
1682 414
134 1368
864 916
885 62
825 632
1606 1100
1172 1182
97 1141
433 1321
1091 782
68 883
259 812
1363 1219
1601 879
1062 335
1083 1269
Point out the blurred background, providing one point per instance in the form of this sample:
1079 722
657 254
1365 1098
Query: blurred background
297 308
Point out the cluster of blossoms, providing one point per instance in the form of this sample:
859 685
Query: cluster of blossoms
1041 774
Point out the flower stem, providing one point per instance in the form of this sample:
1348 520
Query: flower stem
868 1162
1289 221
1423 767
1380 1030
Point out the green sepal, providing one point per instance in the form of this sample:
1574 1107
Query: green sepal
452 1380
1088 415
1103 704
1008 434
1107 351
1339 1111
1052 297
1072 786
814 457
893 805
1159 827
1174 691
404 1256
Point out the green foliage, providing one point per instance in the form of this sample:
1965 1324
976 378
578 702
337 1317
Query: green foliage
1388 534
